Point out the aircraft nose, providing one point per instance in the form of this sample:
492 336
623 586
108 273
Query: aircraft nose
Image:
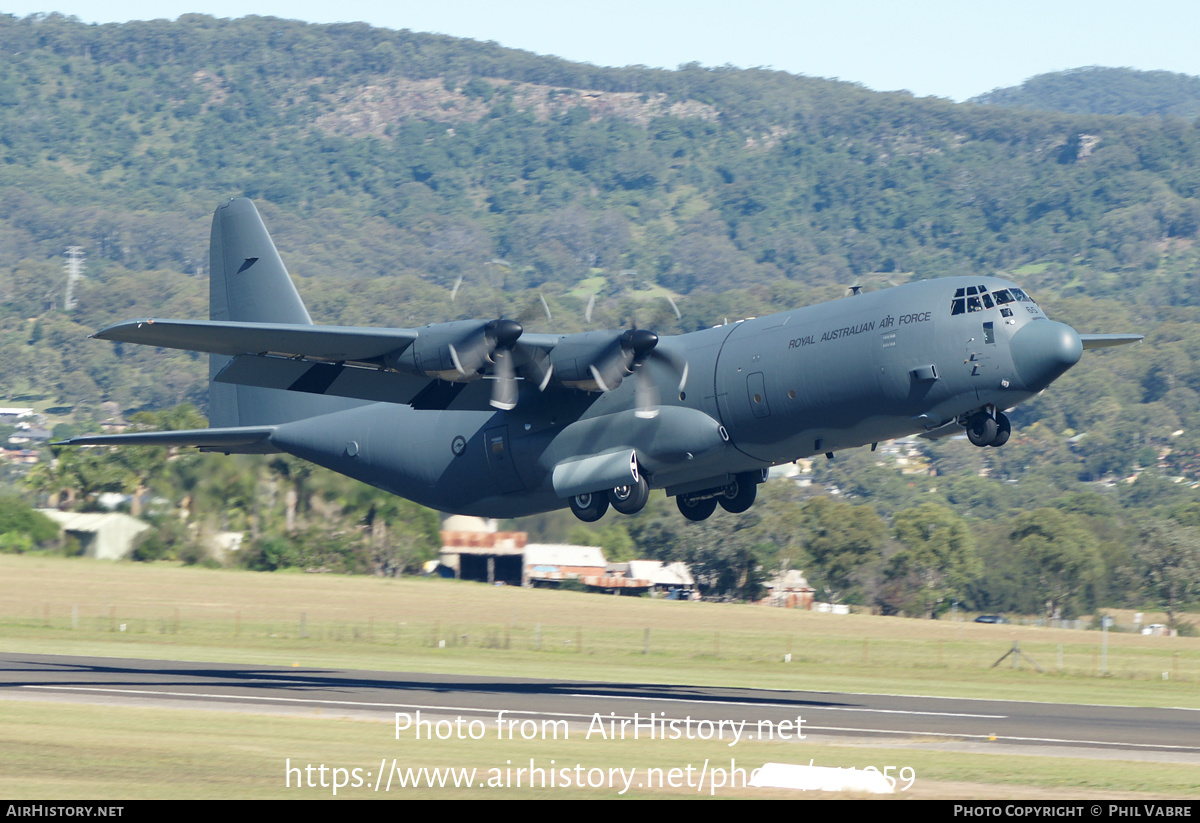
1042 351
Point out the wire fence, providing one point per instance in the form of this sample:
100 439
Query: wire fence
1080 653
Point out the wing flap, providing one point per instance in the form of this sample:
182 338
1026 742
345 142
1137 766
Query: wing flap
332 343
322 378
358 382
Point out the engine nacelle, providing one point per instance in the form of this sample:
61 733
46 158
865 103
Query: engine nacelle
457 351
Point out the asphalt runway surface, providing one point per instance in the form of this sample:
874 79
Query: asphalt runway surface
1151 733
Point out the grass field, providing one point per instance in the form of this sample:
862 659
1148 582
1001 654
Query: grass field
99 752
53 605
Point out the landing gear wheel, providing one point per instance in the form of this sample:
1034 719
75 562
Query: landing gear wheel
694 509
589 507
981 429
739 495
1003 430
630 499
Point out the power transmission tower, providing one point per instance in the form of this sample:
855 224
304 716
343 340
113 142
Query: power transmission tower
74 269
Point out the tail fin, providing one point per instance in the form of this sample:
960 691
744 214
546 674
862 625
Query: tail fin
248 282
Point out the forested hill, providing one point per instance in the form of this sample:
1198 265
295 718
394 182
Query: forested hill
396 152
390 164
1104 90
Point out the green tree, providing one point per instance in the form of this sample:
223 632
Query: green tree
1060 556
22 527
841 538
937 560
1168 555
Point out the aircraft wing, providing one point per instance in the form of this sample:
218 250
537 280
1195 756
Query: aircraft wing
338 361
326 343
1104 341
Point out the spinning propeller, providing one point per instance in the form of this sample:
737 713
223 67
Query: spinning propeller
491 344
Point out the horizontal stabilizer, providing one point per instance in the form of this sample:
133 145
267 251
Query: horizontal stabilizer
334 343
240 439
1104 341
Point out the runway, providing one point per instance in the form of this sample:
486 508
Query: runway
704 711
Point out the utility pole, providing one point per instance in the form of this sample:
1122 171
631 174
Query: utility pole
74 269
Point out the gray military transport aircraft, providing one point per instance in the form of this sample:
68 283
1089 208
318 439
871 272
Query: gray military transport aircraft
477 417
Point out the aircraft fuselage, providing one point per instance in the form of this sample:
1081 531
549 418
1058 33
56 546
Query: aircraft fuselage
760 392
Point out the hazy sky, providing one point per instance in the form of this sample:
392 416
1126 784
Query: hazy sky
931 47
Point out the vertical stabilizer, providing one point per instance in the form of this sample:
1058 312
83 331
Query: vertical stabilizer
249 283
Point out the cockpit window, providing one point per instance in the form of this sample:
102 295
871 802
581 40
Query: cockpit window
976 298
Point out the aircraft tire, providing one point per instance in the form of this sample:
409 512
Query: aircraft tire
589 507
744 490
696 510
981 429
630 499
1003 430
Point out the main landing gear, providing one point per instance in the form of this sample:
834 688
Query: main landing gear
629 499
735 497
986 429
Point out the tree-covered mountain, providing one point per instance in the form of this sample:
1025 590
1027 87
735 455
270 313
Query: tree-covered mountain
390 165
1103 90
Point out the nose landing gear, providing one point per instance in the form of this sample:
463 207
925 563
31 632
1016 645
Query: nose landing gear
984 429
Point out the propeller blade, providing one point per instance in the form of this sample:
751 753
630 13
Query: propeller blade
534 365
591 304
646 394
677 364
504 386
457 360
599 380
